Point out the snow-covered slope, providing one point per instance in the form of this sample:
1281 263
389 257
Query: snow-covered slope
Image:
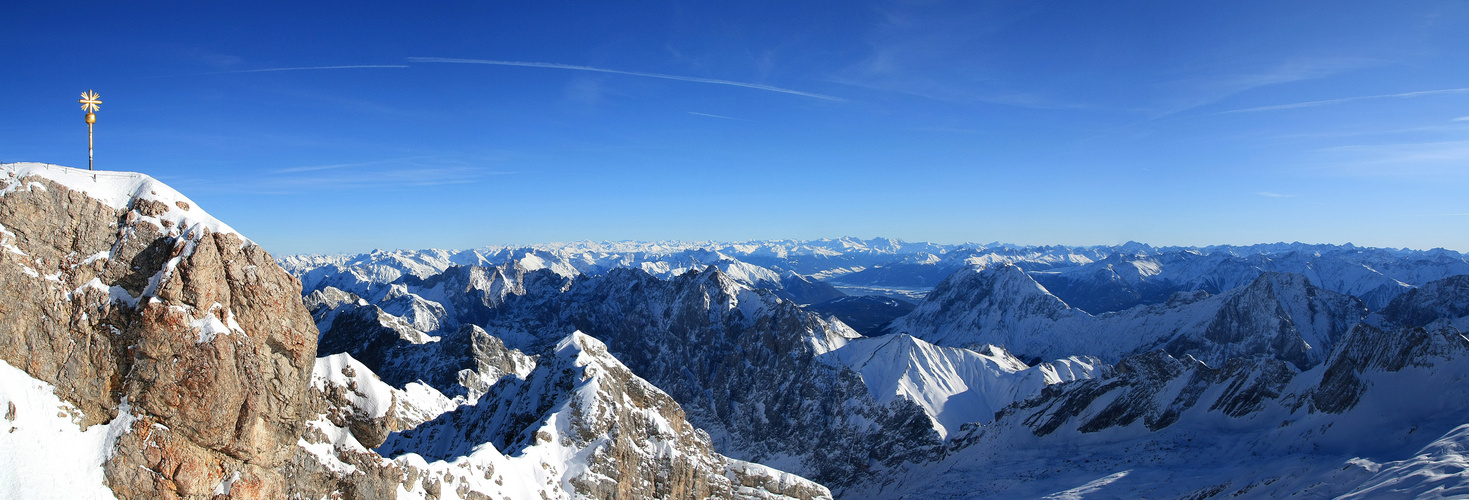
579 425
35 426
954 386
156 201
1280 315
770 382
1361 424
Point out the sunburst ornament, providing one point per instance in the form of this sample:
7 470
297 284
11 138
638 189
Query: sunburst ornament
89 101
90 104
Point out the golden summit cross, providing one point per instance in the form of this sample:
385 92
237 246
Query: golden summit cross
90 105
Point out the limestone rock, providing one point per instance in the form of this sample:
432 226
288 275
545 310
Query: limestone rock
119 288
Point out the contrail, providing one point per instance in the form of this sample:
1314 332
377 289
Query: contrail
722 117
298 68
1308 104
266 70
620 72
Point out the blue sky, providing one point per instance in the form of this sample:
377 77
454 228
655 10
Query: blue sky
343 127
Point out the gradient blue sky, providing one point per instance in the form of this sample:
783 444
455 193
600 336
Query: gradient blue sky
345 126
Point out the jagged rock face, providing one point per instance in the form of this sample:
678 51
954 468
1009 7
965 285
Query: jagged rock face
201 332
578 425
1168 427
716 346
463 362
1368 349
1280 315
1446 299
1156 388
743 364
977 304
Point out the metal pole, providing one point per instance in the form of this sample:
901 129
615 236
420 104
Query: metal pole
89 104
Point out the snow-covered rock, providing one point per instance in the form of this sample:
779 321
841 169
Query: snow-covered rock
954 386
577 425
1360 425
155 320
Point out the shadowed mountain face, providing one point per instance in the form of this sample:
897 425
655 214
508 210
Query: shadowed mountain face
1279 315
867 314
742 362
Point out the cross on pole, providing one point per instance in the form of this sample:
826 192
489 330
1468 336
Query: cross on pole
89 104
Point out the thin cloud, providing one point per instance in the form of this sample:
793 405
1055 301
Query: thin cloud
1462 119
722 117
1401 160
1270 194
1328 102
314 168
630 73
298 68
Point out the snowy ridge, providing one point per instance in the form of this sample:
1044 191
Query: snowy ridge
119 190
1096 279
1358 426
954 386
578 425
374 399
1277 314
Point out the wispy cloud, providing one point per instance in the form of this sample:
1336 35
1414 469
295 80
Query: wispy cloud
1420 159
1271 194
1211 86
573 67
1462 119
722 117
314 168
392 174
297 68
1328 102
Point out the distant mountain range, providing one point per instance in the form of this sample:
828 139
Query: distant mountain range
148 350
776 376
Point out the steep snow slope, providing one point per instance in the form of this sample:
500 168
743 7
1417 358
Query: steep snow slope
954 386
35 427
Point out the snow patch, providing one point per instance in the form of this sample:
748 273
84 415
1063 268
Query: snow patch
43 448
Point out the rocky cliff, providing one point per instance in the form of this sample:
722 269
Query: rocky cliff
149 315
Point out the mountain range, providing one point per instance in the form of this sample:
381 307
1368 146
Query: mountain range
178 358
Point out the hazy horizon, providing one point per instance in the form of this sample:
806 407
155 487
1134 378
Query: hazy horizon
313 128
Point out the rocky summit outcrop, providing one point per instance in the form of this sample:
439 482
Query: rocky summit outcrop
130 299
